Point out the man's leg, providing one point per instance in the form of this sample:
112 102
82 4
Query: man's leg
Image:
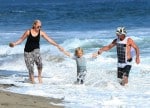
123 74
124 80
126 74
120 74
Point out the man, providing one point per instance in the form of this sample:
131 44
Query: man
123 45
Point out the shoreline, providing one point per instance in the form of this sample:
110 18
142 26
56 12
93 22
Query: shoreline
14 100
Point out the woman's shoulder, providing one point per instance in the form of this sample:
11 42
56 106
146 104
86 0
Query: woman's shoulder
27 32
42 33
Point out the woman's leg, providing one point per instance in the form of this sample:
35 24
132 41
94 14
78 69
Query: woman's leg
39 75
29 60
38 61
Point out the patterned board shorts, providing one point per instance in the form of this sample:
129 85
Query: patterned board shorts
31 58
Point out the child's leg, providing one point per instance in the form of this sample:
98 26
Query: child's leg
78 77
83 77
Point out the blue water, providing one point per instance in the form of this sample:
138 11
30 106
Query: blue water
75 15
90 24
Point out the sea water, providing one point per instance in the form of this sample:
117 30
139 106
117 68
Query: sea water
72 24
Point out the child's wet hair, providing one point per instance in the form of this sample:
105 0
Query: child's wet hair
77 50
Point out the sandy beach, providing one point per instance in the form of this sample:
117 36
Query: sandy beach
13 100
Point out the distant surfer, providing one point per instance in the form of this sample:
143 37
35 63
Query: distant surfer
124 46
32 48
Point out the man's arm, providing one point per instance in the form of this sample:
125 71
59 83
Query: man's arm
105 48
108 47
132 44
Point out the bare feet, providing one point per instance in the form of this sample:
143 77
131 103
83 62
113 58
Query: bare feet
40 79
122 83
32 82
31 78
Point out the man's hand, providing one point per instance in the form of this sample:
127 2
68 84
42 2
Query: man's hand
137 60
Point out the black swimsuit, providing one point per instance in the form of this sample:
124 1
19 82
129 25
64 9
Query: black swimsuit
32 42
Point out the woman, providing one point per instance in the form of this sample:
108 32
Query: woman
32 48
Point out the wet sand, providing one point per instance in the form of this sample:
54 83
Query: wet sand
14 100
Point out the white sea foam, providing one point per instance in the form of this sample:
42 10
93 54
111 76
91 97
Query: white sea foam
101 88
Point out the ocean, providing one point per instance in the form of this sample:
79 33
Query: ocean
90 24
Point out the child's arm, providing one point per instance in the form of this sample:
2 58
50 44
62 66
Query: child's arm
94 55
90 58
67 53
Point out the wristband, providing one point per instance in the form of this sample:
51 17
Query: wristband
98 52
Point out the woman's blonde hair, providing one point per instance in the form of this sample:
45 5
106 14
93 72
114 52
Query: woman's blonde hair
35 22
77 50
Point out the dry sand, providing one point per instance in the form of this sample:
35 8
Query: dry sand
13 100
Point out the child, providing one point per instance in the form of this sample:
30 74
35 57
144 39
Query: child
81 65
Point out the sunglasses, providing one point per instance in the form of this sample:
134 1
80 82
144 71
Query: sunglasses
39 27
